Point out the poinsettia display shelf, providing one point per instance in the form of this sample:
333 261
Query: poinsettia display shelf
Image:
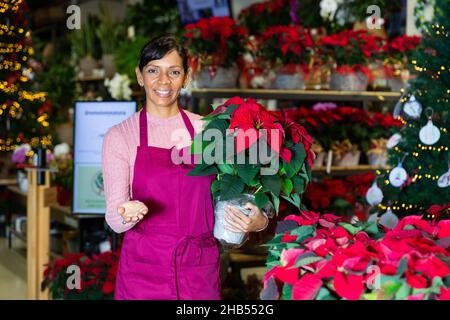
306 95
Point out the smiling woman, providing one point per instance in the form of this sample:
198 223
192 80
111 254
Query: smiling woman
168 251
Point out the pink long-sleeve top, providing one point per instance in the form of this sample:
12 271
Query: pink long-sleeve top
119 154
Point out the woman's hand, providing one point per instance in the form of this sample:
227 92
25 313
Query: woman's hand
239 222
132 211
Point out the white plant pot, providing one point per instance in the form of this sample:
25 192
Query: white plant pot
356 81
286 81
349 159
22 181
319 160
223 78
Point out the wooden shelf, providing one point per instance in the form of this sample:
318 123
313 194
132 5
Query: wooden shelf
289 94
348 170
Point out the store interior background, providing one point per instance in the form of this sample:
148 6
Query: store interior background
47 18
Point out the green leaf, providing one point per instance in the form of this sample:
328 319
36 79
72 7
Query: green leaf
287 186
287 292
276 202
302 232
215 186
214 106
294 199
299 184
231 187
305 259
203 170
403 292
350 228
248 172
402 266
298 154
273 183
226 168
261 199
370 227
289 169
324 294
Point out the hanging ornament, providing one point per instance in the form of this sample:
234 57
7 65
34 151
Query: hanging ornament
388 219
393 140
398 175
444 180
413 108
374 195
429 134
398 109
373 217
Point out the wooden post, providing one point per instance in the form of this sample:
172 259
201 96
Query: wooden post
39 198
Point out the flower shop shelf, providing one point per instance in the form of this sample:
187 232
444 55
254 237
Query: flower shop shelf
302 95
348 170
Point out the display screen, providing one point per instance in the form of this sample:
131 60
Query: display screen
92 121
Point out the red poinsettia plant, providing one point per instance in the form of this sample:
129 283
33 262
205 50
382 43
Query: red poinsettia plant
254 151
344 197
258 16
400 49
286 45
215 41
97 276
319 257
350 49
331 123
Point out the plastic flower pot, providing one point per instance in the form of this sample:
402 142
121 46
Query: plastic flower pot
349 159
352 81
222 78
289 78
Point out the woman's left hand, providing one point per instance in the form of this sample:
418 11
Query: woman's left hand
239 222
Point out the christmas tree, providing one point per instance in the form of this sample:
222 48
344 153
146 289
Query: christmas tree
419 152
24 113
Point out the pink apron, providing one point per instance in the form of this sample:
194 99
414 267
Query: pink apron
171 253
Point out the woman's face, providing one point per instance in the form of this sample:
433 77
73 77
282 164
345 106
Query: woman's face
163 79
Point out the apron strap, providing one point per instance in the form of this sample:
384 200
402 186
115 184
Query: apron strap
188 123
143 135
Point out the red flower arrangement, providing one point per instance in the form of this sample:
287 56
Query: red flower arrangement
400 46
286 45
259 16
320 257
98 274
344 197
216 41
332 124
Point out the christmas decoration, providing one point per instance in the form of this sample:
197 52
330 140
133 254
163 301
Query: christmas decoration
24 114
425 140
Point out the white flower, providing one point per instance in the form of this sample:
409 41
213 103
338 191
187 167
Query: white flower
24 146
61 149
119 87
328 8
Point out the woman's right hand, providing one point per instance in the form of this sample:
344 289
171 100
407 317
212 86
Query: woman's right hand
132 211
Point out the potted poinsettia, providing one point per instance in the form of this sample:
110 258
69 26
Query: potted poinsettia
256 155
215 45
287 49
351 51
396 54
319 257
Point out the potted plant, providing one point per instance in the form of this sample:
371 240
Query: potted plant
287 49
98 274
259 156
396 54
106 33
319 257
216 44
21 156
62 160
350 50
85 46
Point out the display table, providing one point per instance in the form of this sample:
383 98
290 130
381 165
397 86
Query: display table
58 213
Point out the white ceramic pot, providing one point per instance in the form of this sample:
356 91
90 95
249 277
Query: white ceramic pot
223 78
349 159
